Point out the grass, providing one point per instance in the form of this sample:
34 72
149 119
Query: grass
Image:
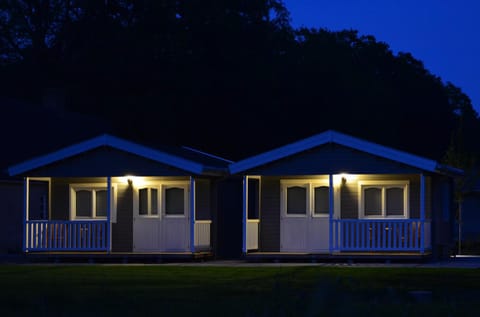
43 290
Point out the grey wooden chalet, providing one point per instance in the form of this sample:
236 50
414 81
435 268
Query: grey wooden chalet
334 194
109 195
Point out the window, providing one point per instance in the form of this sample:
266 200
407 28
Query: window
296 200
321 199
381 199
161 198
253 198
148 201
174 199
89 201
302 198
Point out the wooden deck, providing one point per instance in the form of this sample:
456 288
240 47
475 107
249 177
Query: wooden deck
338 256
116 257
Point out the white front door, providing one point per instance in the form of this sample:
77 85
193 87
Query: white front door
161 218
304 223
175 217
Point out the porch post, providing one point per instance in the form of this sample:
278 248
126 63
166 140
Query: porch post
26 209
244 216
109 213
330 211
422 213
192 214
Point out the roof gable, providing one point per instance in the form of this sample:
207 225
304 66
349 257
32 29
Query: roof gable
336 138
115 143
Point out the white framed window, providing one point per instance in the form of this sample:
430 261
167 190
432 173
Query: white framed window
302 198
148 200
157 199
384 199
89 201
175 199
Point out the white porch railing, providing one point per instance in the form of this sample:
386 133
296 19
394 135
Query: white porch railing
202 234
380 235
56 235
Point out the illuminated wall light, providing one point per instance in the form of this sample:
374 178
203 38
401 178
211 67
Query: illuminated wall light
343 178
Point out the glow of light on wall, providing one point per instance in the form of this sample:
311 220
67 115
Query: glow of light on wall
343 178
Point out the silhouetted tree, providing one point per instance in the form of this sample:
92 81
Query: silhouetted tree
232 77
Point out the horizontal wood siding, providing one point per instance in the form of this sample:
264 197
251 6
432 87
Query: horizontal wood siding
106 161
443 215
350 195
349 200
61 194
202 199
229 229
11 211
270 214
122 230
333 158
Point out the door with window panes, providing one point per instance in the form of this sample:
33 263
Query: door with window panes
304 221
161 218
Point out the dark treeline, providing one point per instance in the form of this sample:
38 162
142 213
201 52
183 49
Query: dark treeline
231 77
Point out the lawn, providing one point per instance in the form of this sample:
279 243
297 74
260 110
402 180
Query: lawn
50 290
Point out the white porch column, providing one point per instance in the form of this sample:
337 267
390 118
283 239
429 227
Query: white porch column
26 211
330 211
192 214
244 216
109 213
422 213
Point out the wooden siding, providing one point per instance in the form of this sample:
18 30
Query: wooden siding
202 199
270 214
443 218
11 211
350 195
333 158
106 161
122 230
61 194
270 203
229 225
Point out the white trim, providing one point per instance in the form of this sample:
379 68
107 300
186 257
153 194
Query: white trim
207 154
259 178
186 193
136 199
338 138
309 185
73 187
383 185
107 140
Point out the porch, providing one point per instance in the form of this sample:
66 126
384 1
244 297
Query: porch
337 215
119 213
88 236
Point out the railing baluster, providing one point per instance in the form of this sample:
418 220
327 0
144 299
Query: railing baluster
357 235
347 237
395 233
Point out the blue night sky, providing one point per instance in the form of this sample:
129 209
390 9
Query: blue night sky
443 34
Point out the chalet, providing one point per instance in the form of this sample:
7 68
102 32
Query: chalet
110 195
336 195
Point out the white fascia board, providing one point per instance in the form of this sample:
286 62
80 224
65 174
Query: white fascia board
57 155
281 152
106 140
331 136
385 152
155 155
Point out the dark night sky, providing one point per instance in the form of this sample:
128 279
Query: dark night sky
443 34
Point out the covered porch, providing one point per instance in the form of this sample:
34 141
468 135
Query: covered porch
111 195
69 230
337 214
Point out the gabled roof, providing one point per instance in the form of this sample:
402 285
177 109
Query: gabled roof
331 136
179 158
